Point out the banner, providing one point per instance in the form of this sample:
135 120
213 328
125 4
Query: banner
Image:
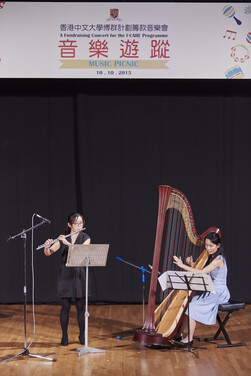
125 40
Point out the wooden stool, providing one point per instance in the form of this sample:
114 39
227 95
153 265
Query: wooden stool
228 307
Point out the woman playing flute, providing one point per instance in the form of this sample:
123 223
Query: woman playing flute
71 280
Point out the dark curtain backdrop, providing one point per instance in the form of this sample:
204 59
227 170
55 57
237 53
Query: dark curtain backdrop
103 148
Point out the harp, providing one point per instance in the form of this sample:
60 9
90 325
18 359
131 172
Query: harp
180 238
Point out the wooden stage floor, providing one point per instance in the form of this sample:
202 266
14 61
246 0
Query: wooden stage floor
123 357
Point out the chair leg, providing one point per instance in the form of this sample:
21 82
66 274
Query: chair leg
223 330
222 327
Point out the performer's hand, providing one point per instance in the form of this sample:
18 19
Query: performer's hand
189 260
63 240
177 261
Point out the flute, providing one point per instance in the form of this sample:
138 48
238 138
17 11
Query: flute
54 241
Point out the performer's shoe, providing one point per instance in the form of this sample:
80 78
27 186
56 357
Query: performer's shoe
178 338
81 339
64 341
182 344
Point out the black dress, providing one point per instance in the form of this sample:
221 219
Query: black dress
71 280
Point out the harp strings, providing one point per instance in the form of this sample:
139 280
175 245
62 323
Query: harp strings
176 242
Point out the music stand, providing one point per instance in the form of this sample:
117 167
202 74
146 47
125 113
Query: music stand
189 281
87 255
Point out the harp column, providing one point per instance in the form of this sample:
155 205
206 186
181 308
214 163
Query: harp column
164 194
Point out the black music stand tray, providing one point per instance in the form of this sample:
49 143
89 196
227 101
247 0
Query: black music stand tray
189 281
87 255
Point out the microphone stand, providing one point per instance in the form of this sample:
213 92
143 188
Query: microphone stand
143 270
25 351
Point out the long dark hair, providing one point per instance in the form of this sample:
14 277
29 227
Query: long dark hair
71 219
214 238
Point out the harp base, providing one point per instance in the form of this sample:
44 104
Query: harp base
150 338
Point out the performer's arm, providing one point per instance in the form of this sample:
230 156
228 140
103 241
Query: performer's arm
217 263
87 241
50 249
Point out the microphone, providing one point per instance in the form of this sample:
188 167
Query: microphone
44 219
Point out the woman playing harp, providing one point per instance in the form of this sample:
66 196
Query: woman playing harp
204 307
175 235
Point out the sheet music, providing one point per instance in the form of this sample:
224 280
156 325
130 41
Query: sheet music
176 280
78 254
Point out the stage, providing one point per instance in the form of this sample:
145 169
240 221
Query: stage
110 329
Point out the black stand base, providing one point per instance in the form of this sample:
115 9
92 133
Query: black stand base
229 344
26 352
189 349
